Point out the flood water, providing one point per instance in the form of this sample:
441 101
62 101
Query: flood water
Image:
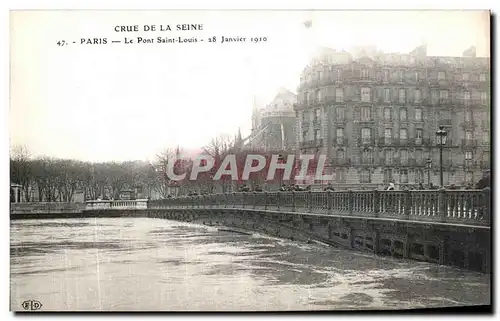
141 264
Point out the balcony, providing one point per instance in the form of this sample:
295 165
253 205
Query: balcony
484 164
445 122
340 141
366 141
340 161
469 142
444 101
311 143
316 123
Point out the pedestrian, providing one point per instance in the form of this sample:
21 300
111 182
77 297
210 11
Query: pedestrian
391 187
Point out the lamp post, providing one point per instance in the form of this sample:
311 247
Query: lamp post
429 166
441 134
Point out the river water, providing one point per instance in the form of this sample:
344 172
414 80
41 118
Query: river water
141 264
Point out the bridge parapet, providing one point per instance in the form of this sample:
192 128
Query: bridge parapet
446 206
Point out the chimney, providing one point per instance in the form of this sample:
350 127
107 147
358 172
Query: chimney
470 52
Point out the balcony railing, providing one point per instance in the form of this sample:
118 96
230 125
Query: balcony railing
340 141
469 142
311 143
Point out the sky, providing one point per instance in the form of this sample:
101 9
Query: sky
129 101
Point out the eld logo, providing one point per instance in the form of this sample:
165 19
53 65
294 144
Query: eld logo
31 305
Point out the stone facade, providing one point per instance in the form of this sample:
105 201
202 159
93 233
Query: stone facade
376 115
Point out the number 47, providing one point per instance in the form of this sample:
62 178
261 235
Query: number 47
61 43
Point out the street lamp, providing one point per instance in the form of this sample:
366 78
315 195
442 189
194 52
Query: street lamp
429 166
441 134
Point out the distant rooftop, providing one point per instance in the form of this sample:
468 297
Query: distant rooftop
325 55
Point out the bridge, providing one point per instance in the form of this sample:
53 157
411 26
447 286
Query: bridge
449 227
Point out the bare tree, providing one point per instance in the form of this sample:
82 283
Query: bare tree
162 181
219 147
21 168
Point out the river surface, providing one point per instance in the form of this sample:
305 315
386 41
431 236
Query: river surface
141 264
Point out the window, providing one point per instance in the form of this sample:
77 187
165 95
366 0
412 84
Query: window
387 114
443 95
310 97
365 176
340 154
403 176
339 74
416 76
418 114
468 115
366 135
319 95
364 73
419 156
465 76
418 96
387 175
486 157
387 95
317 114
366 157
404 157
388 157
339 175
320 75
419 132
441 75
317 134
419 176
340 135
468 177
339 95
339 113
365 113
304 136
403 134
306 96
484 97
468 155
482 77
466 97
388 135
365 95
402 96
468 135
402 115
386 75
434 97
400 75
486 137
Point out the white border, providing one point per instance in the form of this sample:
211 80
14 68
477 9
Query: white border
179 4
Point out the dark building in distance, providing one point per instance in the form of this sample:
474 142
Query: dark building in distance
273 127
376 115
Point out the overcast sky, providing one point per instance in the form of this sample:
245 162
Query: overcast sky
124 102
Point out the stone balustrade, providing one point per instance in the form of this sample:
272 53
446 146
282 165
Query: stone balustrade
139 204
470 207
